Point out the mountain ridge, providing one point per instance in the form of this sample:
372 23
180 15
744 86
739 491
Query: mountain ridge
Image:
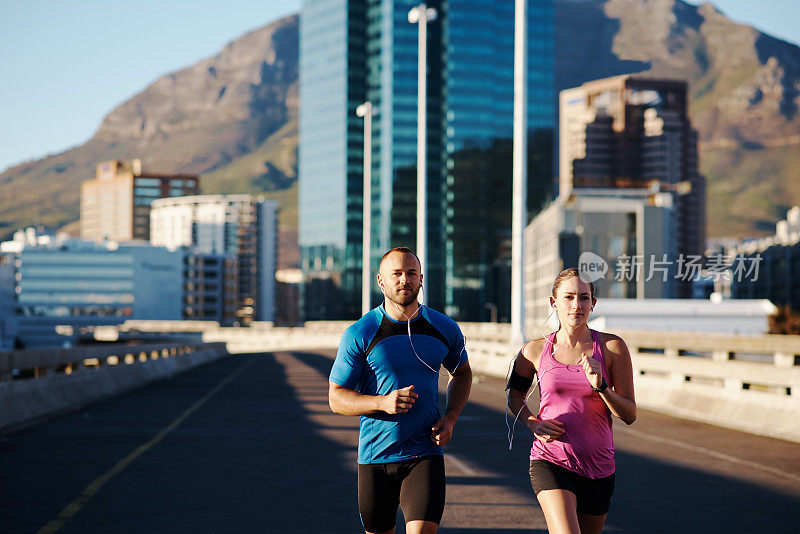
744 87
198 119
232 117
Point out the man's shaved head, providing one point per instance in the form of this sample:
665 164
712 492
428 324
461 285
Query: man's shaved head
400 276
401 250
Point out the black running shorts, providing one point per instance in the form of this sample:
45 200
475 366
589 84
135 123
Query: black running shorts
593 494
418 486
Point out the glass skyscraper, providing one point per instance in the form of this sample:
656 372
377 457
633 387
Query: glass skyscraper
353 51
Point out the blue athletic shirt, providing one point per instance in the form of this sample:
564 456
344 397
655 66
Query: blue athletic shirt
375 358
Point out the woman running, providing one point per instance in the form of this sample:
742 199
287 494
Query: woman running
584 377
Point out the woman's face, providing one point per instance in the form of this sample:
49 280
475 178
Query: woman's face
573 301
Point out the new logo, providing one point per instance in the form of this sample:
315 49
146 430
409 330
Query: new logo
591 267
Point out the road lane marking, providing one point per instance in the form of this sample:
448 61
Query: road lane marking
486 387
460 464
72 508
708 452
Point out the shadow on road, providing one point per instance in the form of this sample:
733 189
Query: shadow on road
248 460
651 495
266 455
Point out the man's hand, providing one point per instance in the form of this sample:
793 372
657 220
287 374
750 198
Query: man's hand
399 400
442 431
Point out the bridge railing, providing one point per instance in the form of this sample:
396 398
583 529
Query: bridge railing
41 382
313 335
751 383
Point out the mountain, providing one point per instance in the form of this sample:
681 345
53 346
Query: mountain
233 117
744 88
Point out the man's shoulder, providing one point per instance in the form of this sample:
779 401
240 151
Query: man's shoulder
442 322
364 328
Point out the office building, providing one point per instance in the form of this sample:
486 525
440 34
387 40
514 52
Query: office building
210 287
769 268
115 205
8 320
634 132
81 283
60 286
626 232
356 51
287 292
240 227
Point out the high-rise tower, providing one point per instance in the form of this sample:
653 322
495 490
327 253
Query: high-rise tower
358 50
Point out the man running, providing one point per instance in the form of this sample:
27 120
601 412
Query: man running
387 372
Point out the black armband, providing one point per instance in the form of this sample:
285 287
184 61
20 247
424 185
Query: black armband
518 382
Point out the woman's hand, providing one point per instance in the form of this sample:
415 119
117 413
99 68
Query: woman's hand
592 369
546 430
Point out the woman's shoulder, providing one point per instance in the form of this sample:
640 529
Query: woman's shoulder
533 349
612 342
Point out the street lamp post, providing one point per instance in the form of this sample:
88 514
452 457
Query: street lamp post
365 111
520 169
421 15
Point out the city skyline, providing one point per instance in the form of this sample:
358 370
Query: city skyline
39 45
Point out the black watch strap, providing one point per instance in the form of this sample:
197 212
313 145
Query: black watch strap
603 386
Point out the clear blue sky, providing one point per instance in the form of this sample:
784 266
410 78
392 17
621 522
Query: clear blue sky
66 64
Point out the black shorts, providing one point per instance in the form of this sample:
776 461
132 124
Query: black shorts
593 494
417 485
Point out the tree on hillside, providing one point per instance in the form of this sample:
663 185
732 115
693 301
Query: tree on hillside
785 321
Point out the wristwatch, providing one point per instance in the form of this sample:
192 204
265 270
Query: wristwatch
602 388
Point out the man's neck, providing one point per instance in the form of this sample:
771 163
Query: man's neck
401 313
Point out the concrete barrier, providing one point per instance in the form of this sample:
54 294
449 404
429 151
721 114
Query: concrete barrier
39 383
315 335
745 382
749 383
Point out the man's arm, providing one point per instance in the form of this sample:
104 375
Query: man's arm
458 389
347 401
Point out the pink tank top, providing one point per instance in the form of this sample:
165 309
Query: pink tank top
587 445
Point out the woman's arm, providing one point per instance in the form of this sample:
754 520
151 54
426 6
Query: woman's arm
525 368
620 399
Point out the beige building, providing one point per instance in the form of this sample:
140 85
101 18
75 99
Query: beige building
624 232
238 226
115 205
634 132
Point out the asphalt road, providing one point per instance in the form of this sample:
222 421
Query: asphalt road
249 444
